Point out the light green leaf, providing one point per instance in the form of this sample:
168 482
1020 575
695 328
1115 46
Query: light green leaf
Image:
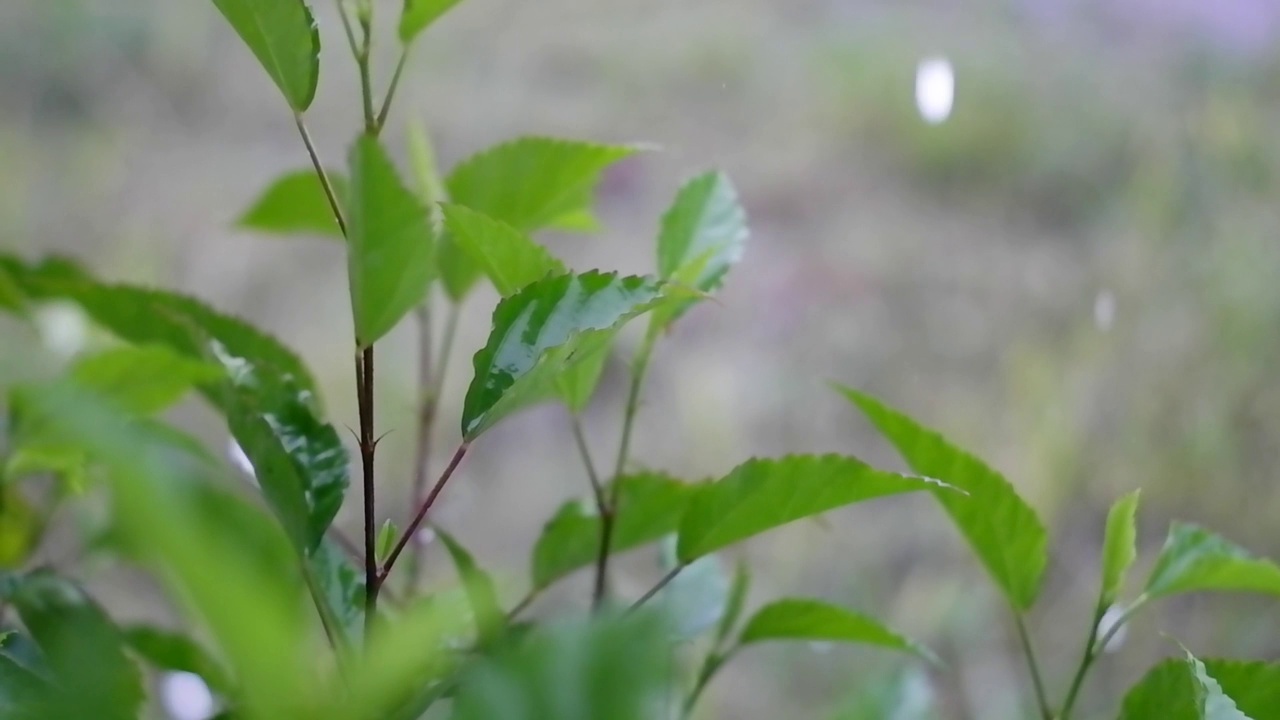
1000 526
283 36
578 383
534 182
21 525
1254 686
736 601
1194 559
387 535
816 620
169 650
1119 546
544 330
419 14
482 596
1212 702
760 495
422 158
35 456
391 256
143 379
511 259
649 507
703 235
295 204
1188 689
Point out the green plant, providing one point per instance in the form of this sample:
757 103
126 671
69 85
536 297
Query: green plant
290 620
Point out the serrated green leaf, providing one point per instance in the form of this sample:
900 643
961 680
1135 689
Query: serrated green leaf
21 525
143 379
1254 686
511 259
736 601
296 204
1212 702
649 507
1119 546
82 649
1194 559
1188 689
170 650
418 15
760 495
283 36
544 330
703 235
482 596
391 255
999 525
534 182
816 620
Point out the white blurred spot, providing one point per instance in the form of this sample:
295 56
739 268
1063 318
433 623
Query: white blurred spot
240 460
935 89
821 647
63 328
1104 310
424 537
185 697
1108 621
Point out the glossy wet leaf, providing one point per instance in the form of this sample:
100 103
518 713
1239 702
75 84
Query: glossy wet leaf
760 495
83 651
486 612
1119 546
534 182
703 234
817 620
169 650
143 379
22 525
1194 559
544 330
649 507
510 258
283 36
999 525
295 204
391 244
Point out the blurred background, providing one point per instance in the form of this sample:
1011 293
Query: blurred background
1046 227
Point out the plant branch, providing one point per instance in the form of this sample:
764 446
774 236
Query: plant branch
710 667
422 513
1094 646
593 477
1024 639
324 177
366 82
346 28
391 89
666 579
524 602
368 444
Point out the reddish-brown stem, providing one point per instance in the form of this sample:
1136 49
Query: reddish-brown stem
368 444
430 500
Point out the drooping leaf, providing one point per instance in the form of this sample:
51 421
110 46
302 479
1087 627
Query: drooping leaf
391 255
170 650
510 258
1194 559
534 182
486 612
703 235
760 495
296 204
816 620
143 379
695 600
999 525
736 601
283 36
1118 547
542 331
21 525
418 15
649 507
83 650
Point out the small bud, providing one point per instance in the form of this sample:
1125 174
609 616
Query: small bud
386 540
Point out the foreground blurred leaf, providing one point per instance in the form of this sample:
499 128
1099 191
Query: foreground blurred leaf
907 695
649 507
541 332
1000 526
21 525
143 379
1254 686
90 675
283 36
418 15
1188 689
483 597
295 203
703 235
1119 546
815 620
169 650
10 291
391 248
509 257
340 585
760 495
1194 559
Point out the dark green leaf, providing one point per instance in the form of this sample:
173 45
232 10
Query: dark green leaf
509 257
1254 686
339 584
760 495
169 650
1194 559
481 594
419 14
1001 528
815 620
533 183
1118 547
544 330
283 36
649 507
296 204
143 379
23 693
736 602
391 256
11 297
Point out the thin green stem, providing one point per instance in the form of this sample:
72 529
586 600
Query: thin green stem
584 452
715 660
391 89
524 603
346 28
1024 639
1094 648
324 177
666 579
366 81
